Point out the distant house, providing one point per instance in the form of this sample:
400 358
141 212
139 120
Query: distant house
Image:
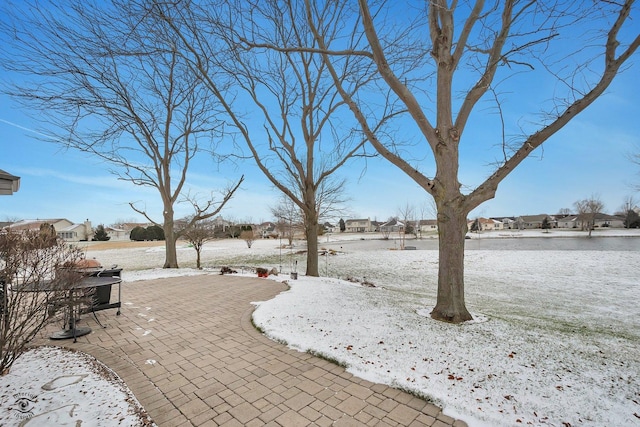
604 220
358 226
64 228
490 224
117 233
569 221
330 228
35 224
508 223
9 184
266 230
221 223
487 224
392 226
76 232
600 220
428 226
534 221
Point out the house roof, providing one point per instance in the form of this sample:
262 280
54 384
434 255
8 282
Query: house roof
428 222
534 218
606 217
33 224
393 223
9 184
488 221
504 219
357 220
72 227
128 226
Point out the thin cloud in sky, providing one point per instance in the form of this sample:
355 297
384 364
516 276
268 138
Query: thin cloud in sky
53 139
107 181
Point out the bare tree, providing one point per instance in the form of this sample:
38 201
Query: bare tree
197 234
581 211
587 210
262 47
288 216
332 198
485 48
407 214
28 260
108 81
386 231
630 203
629 210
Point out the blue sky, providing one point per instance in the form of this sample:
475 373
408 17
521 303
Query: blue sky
589 157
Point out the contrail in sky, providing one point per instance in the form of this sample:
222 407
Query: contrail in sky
26 128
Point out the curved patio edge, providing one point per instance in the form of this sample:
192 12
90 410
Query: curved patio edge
212 367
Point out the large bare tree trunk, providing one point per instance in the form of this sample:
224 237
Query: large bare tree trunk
171 258
311 232
171 255
452 228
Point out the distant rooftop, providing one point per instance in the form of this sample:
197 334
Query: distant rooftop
9 184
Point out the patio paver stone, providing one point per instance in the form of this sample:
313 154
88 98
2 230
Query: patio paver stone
187 349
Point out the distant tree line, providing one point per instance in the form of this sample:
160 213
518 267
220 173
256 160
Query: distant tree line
153 232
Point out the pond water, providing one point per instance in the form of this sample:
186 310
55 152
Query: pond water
582 243
557 243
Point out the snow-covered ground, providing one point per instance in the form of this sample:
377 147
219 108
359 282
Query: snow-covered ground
51 386
555 342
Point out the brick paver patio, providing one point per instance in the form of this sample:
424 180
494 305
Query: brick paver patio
187 350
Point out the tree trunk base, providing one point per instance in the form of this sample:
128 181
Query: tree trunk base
451 316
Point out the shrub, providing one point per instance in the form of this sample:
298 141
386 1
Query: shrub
138 234
155 232
30 259
248 237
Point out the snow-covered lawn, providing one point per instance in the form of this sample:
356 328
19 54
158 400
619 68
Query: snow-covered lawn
51 386
555 342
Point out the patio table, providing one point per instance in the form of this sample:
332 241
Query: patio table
74 300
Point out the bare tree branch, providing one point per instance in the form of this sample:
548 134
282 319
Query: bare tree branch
491 40
611 68
269 61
